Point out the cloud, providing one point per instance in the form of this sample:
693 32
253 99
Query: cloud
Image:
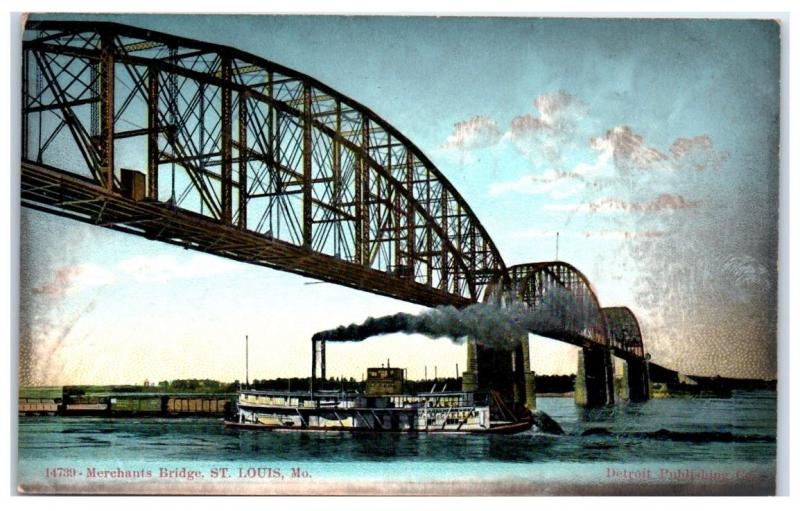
76 277
556 183
45 339
622 235
49 313
663 202
621 165
163 268
542 136
557 111
705 285
629 149
548 135
697 153
478 132
68 278
532 234
630 152
61 282
584 176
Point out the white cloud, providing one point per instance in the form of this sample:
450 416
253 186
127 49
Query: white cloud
622 235
547 136
631 152
93 275
623 165
478 132
67 279
541 136
557 184
663 202
163 268
697 153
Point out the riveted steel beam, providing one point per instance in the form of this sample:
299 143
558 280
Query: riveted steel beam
360 185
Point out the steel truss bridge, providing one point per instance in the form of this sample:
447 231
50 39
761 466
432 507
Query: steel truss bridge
217 150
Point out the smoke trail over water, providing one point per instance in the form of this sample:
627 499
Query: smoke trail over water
490 324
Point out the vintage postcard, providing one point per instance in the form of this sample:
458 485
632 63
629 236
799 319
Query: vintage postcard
398 255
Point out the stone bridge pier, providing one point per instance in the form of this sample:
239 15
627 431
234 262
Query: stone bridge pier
505 371
632 381
601 379
594 379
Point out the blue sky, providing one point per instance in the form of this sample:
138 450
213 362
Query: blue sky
650 146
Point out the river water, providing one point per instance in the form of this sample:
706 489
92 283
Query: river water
664 446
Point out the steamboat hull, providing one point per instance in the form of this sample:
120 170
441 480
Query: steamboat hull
437 413
497 429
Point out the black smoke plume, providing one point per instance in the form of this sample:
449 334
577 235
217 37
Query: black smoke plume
490 324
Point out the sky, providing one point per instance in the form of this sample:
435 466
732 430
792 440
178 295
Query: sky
650 146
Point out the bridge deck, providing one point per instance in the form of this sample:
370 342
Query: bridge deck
69 196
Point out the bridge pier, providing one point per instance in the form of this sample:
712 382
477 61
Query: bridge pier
528 376
632 382
594 381
638 380
469 379
622 389
505 371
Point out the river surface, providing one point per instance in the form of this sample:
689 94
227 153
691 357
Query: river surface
666 445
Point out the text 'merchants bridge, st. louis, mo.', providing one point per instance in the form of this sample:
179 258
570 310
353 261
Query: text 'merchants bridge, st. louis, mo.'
220 151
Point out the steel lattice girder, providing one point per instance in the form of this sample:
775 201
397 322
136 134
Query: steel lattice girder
531 282
540 278
246 143
623 330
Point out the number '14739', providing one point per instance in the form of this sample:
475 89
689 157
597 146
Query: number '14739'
60 472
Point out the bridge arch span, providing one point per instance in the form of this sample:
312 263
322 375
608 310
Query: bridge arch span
240 157
584 319
624 334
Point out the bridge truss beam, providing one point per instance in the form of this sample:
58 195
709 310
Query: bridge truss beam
231 140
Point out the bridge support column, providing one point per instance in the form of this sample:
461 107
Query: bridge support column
528 376
495 371
632 382
638 377
594 382
506 371
622 389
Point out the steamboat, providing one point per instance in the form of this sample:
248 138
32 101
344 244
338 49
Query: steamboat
383 407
